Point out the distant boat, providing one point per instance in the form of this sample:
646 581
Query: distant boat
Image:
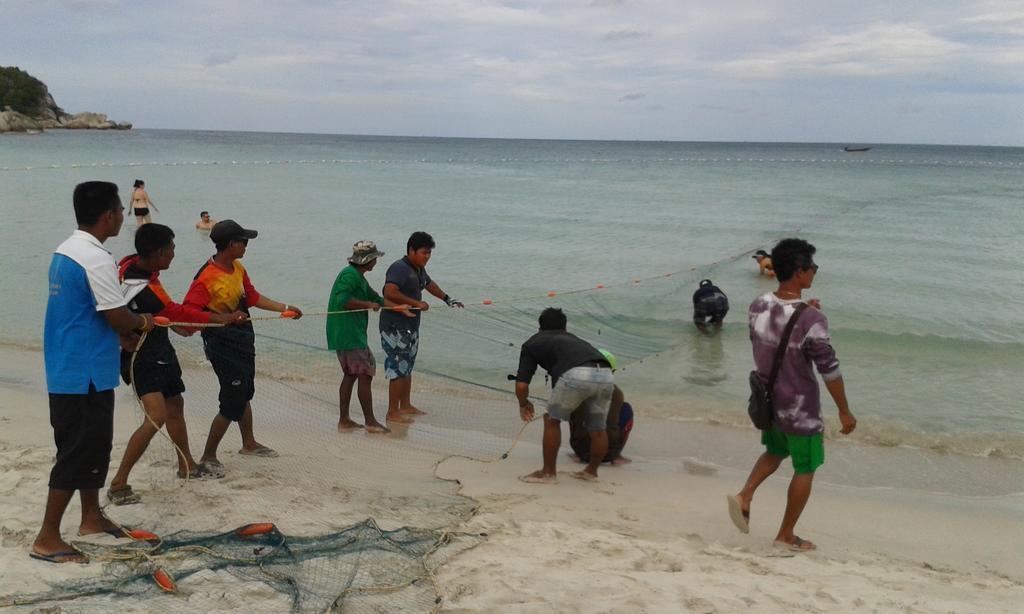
856 148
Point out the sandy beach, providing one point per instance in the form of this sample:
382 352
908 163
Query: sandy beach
652 536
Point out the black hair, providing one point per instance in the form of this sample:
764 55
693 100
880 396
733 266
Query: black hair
222 244
202 213
705 282
94 198
419 240
790 255
150 238
552 318
138 183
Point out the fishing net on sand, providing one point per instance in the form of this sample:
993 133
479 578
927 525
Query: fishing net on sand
359 568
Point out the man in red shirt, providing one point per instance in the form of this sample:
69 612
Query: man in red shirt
222 286
154 366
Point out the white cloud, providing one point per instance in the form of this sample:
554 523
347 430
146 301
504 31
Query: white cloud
878 50
744 69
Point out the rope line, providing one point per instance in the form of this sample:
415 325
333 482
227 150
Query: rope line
638 161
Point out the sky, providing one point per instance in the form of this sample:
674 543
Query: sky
867 71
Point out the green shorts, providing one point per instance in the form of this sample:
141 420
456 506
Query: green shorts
808 451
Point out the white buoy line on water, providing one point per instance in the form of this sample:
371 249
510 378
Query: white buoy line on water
325 162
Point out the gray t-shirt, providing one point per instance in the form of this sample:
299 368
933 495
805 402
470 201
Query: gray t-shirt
411 282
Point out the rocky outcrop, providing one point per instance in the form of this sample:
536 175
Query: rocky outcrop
12 121
29 107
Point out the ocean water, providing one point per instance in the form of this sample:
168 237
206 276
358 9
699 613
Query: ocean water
918 249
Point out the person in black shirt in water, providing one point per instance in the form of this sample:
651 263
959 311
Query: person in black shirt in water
709 307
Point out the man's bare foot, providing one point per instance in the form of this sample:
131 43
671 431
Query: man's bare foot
621 460
348 426
398 417
584 475
376 427
93 526
575 458
539 477
410 410
56 551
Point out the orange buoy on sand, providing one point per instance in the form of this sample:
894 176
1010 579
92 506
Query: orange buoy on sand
255 528
164 580
488 301
600 285
140 535
552 293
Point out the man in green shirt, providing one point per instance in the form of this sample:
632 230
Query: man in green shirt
346 334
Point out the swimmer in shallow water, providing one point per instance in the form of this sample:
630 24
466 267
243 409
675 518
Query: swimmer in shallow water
205 221
141 203
764 263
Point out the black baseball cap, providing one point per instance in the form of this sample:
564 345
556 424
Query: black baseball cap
230 230
759 252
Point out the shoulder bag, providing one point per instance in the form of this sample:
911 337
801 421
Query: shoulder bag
760 407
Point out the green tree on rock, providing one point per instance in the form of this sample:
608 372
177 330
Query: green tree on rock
21 91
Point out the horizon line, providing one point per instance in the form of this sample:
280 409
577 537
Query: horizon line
580 140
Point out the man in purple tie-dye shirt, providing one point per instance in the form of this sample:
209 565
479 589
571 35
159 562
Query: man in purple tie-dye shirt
797 425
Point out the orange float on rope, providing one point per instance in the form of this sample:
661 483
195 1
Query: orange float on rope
164 580
255 528
552 293
289 313
140 535
488 301
599 286
161 321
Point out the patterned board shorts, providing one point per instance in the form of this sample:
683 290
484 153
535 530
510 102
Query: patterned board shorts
357 362
400 349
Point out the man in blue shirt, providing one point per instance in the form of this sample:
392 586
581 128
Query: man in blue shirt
85 312
400 335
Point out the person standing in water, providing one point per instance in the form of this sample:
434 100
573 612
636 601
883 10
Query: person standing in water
141 203
205 221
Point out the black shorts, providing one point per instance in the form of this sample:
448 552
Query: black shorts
83 429
153 376
141 211
235 365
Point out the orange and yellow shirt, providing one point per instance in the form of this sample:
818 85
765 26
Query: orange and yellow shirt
219 290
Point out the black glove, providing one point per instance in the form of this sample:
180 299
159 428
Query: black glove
452 302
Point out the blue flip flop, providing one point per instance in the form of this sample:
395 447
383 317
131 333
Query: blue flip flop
57 556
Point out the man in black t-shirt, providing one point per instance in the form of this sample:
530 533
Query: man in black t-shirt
581 377
404 283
